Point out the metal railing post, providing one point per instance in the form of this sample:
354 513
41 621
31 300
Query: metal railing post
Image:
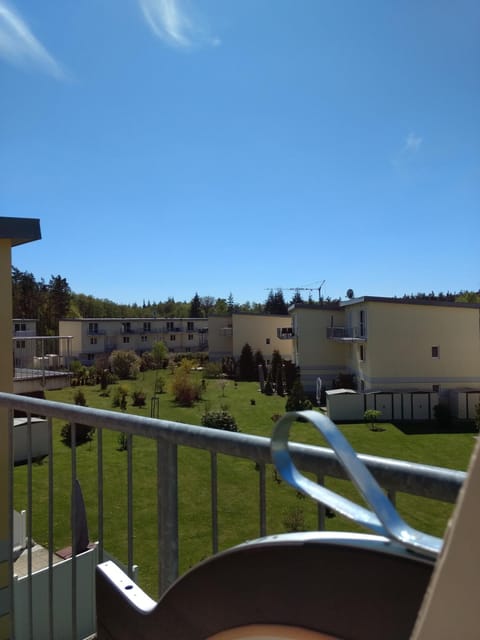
321 507
214 500
167 496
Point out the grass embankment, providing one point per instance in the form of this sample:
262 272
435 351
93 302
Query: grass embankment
237 479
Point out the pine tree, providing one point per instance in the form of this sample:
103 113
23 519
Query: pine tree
297 400
246 364
58 301
195 307
276 365
276 304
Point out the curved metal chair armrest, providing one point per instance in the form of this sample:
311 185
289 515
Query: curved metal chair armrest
382 518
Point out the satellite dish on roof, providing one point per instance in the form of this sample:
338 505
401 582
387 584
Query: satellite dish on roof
350 294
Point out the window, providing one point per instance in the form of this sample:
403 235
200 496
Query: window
169 326
267 341
144 338
20 326
90 356
187 349
435 388
436 352
190 336
126 339
363 320
93 341
20 344
361 352
172 338
126 328
93 327
189 326
147 326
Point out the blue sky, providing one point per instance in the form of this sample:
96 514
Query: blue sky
219 147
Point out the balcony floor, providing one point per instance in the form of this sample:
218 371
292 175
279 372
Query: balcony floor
39 561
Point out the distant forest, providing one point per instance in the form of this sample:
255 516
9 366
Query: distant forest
49 302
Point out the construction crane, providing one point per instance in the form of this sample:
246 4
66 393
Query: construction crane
319 289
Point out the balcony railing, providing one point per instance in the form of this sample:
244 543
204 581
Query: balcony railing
347 334
285 333
393 475
41 357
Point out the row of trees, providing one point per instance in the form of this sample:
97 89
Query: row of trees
46 302
50 301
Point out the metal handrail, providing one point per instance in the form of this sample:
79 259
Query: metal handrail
437 483
393 475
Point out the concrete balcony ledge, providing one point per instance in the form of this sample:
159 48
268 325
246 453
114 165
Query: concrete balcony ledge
20 230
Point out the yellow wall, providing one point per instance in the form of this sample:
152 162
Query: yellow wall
6 385
260 332
314 353
398 350
220 337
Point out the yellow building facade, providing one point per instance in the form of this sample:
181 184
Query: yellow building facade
227 335
92 337
390 344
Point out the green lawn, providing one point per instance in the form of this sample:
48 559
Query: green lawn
238 479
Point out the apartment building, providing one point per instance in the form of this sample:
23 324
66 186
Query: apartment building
39 362
23 353
92 337
266 333
389 344
24 328
316 356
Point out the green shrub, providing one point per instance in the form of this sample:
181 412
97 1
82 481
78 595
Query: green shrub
443 415
371 416
268 389
120 397
125 364
219 420
297 400
294 520
213 370
122 440
477 416
79 398
185 389
83 434
159 384
139 398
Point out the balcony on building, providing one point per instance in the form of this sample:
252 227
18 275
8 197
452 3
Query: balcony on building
285 333
93 329
347 334
41 362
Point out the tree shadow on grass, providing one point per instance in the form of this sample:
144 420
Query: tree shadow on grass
425 427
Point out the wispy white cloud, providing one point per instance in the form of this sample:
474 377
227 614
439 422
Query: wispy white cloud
412 143
19 46
175 22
